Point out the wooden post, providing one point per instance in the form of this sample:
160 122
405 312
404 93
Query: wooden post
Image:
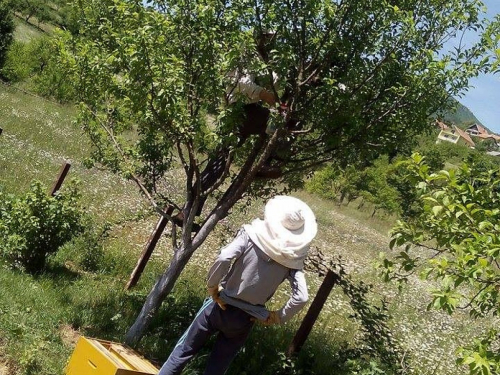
60 179
148 249
305 328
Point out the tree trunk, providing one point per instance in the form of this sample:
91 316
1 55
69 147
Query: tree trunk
160 290
361 204
342 197
182 255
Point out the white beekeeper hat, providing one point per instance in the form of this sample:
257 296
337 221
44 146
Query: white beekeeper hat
288 228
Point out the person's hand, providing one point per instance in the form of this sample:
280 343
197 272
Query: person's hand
214 293
272 319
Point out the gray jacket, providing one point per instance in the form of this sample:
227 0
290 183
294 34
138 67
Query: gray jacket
250 278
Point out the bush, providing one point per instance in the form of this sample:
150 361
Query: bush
38 61
19 63
36 225
30 8
334 182
375 187
51 79
323 182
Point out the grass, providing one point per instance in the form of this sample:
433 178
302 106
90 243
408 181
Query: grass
26 32
38 314
38 137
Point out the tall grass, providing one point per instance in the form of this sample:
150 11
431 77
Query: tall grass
25 32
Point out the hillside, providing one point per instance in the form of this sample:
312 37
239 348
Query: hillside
461 116
38 135
41 316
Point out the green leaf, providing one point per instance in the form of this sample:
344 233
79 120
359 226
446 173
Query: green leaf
436 210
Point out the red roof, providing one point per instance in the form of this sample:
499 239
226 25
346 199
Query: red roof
442 125
480 129
464 135
489 136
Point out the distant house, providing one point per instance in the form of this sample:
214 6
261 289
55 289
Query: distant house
476 130
454 135
480 132
493 137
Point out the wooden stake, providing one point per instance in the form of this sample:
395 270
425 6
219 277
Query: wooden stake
305 328
148 249
60 179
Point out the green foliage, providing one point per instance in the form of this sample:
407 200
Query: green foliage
30 8
50 78
372 183
364 367
335 182
376 188
455 238
6 30
390 186
325 182
381 352
400 177
479 356
140 68
286 365
37 62
36 225
23 60
493 43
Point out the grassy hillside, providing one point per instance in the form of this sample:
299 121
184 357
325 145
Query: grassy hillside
39 136
460 116
41 316
25 32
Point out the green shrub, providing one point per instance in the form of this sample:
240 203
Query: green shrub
323 182
375 187
25 60
18 64
363 366
38 62
35 225
51 79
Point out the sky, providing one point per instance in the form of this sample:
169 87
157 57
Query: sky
483 99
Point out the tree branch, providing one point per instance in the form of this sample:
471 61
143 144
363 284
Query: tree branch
471 301
133 177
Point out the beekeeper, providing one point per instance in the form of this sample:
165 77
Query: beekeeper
243 278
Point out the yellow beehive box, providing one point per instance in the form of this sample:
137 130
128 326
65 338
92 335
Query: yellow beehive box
98 357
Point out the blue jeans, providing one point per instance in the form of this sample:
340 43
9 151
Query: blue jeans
232 327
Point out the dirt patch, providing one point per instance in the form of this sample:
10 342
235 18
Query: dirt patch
5 369
69 336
